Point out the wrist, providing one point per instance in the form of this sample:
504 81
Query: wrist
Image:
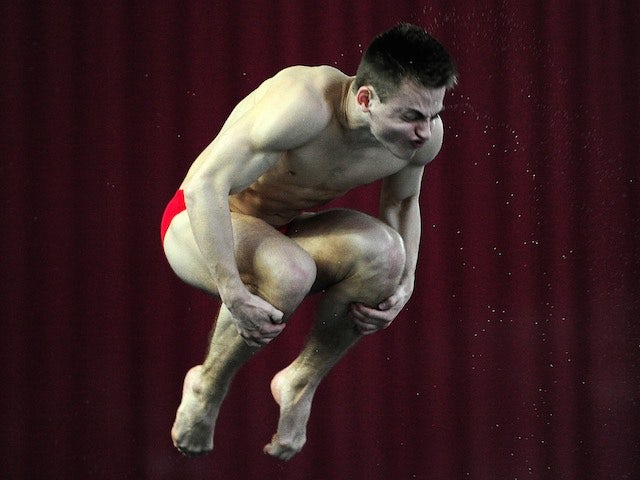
233 293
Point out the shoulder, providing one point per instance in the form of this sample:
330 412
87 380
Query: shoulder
295 105
316 88
315 77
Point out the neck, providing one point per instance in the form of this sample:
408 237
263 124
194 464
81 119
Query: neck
351 116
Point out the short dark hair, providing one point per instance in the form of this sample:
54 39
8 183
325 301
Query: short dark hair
405 52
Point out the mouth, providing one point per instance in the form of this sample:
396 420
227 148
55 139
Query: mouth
417 143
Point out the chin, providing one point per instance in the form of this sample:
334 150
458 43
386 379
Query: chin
403 154
400 151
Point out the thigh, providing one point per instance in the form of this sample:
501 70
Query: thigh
341 240
261 252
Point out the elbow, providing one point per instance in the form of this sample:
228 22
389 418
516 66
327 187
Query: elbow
191 193
199 188
193 189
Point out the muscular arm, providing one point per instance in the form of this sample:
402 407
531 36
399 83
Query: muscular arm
229 163
400 209
399 202
287 115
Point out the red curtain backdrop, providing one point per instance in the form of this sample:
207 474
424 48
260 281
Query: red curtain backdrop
517 356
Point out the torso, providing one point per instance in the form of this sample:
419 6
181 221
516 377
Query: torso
337 160
312 176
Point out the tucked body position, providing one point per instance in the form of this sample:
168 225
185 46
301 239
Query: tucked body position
239 227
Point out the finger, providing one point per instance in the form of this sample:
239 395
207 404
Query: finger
356 313
365 325
366 328
363 312
389 303
268 328
276 316
371 325
261 334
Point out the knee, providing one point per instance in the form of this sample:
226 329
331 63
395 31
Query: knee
381 254
287 277
297 273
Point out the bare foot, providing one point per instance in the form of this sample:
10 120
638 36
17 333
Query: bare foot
295 408
192 431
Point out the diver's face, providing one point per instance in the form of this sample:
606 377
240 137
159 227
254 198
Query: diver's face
404 122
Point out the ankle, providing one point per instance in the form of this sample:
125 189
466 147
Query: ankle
209 389
301 380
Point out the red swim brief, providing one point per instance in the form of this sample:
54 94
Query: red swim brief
177 205
174 207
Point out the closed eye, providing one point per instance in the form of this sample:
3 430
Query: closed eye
414 115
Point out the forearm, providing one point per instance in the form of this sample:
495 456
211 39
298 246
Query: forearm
208 209
404 217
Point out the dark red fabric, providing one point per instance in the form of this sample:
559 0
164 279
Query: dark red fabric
518 354
174 207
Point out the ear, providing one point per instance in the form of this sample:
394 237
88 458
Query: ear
364 95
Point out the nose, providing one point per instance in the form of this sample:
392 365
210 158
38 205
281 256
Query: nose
423 130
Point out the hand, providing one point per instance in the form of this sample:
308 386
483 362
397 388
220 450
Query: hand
257 321
369 320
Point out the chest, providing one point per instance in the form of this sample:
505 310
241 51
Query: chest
338 165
